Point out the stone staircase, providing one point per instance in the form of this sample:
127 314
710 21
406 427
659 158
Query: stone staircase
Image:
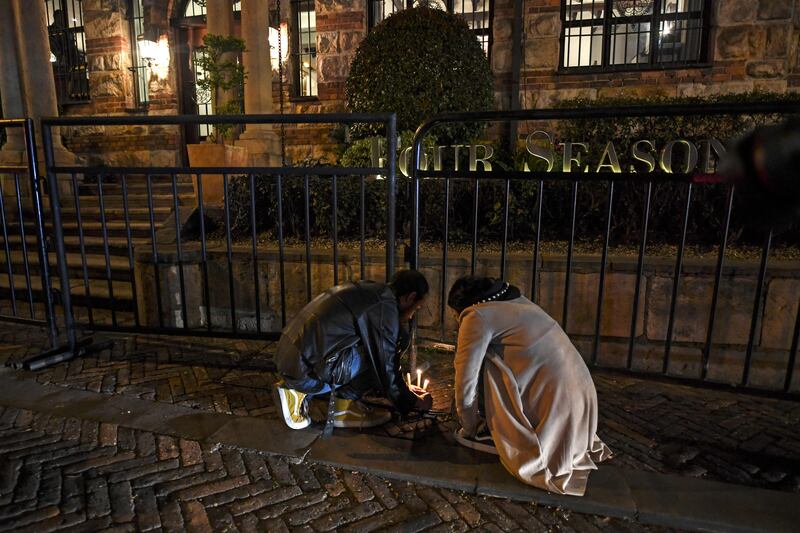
93 280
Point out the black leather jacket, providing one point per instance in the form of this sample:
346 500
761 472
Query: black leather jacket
314 343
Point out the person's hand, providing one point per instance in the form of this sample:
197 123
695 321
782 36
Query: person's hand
419 391
424 398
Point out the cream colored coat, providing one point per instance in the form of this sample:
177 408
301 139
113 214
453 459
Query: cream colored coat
540 401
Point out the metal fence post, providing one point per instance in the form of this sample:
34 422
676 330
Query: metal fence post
44 260
58 236
391 196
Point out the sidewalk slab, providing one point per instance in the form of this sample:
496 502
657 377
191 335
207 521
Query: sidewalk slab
403 459
146 415
268 436
651 498
459 468
651 425
681 502
607 492
645 497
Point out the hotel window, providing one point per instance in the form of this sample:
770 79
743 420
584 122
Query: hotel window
203 98
476 13
68 50
193 8
140 65
630 34
305 42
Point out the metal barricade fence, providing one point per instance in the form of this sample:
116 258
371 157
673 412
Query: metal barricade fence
543 179
134 269
25 284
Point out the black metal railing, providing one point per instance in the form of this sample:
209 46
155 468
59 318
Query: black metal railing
545 179
29 300
198 280
134 255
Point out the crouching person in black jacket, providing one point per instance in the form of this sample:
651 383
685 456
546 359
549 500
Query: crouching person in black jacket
345 342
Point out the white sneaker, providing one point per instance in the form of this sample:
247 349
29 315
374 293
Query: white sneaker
293 406
482 441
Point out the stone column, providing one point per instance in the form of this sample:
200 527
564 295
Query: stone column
219 17
36 71
259 139
13 152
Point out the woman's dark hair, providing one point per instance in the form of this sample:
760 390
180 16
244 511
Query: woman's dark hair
467 290
407 281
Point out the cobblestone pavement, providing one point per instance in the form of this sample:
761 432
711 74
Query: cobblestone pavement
651 425
65 473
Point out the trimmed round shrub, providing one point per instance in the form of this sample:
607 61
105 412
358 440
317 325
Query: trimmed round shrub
416 63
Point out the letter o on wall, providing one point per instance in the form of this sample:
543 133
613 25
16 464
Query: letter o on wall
667 156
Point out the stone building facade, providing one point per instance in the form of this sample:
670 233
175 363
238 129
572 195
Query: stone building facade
744 45
110 62
747 45
750 45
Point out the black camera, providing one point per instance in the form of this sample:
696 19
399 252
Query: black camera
764 166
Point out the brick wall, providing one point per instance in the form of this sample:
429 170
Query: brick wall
341 25
753 45
111 89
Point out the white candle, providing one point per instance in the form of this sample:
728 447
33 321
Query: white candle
408 378
419 377
425 385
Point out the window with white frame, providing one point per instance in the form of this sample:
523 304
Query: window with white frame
193 8
630 34
203 98
305 45
139 64
476 13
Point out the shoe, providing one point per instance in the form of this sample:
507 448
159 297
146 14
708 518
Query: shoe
482 441
354 414
293 405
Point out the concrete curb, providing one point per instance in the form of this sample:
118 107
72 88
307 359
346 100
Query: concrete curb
645 497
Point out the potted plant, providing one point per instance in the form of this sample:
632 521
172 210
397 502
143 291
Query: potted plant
223 85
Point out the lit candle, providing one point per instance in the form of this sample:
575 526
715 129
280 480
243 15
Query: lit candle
408 378
425 385
419 377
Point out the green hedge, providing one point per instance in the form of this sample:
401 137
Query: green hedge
417 63
707 213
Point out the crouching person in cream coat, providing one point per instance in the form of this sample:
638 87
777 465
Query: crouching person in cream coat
522 384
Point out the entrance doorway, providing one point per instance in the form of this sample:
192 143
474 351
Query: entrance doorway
189 24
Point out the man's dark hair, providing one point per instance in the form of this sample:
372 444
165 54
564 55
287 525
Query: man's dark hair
407 281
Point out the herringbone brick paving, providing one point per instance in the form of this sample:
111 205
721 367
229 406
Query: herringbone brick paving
77 475
650 425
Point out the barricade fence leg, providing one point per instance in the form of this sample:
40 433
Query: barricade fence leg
73 347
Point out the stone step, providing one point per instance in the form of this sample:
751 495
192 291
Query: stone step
160 186
90 210
114 212
115 228
97 295
92 244
95 265
134 199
